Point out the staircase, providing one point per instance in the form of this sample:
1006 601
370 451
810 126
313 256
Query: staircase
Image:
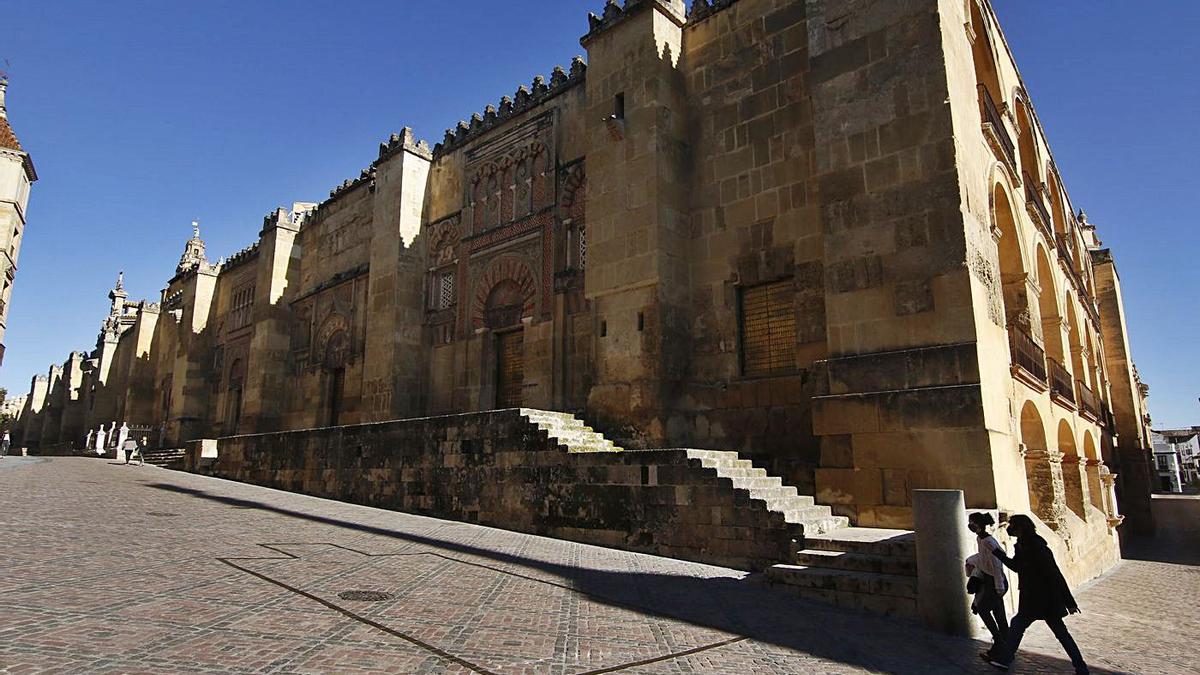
569 431
166 458
871 569
796 509
865 568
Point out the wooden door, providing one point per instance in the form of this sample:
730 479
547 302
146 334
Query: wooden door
510 369
337 380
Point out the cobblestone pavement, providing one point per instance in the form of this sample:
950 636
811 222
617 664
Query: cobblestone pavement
113 568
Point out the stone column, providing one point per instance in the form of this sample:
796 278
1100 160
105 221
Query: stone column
1110 488
1047 492
1094 487
943 544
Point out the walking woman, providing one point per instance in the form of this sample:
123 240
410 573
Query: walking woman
988 582
1044 594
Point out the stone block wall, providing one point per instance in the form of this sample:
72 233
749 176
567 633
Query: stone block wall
497 469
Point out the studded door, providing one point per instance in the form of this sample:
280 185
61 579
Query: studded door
510 369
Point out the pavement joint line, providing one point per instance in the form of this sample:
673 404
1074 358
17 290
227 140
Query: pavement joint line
285 555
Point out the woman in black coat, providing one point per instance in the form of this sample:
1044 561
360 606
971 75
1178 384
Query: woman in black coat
1045 595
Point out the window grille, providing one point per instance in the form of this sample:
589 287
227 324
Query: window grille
768 328
446 290
582 247
240 312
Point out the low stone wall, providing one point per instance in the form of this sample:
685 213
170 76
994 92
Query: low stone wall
1177 514
497 469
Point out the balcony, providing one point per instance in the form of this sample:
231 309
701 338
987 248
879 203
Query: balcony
994 129
1029 359
1062 387
1037 207
1089 403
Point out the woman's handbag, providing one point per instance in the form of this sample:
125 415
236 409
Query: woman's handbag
974 584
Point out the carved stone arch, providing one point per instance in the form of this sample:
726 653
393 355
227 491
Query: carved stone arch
522 287
334 326
337 351
574 192
237 372
1044 266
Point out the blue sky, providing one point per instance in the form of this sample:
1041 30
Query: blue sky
143 115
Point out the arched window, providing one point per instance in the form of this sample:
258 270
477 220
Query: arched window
987 79
1012 264
1048 307
1039 476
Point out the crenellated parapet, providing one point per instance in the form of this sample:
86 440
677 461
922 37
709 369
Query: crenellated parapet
365 177
405 141
702 9
240 258
615 13
173 301
525 99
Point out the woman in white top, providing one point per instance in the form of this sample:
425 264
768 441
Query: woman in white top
989 580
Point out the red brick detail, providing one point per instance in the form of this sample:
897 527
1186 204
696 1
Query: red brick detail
509 267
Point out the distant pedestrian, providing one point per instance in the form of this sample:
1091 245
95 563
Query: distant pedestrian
987 581
4 443
1045 595
130 446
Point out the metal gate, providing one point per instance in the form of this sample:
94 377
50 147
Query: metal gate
510 369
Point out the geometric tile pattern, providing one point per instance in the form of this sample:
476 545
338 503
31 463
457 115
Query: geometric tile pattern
90 582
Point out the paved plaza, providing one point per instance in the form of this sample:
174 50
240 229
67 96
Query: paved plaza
109 568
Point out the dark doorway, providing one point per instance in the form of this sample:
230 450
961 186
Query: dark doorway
337 379
510 368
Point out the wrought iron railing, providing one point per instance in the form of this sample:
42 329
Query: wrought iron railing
991 115
1027 354
1089 403
1035 200
1060 381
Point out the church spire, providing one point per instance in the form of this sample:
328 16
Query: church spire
193 251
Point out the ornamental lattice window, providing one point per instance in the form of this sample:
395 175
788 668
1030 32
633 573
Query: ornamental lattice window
240 312
445 299
767 323
582 247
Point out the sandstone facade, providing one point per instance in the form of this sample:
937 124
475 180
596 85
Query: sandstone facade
829 235
16 178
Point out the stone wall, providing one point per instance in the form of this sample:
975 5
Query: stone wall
497 469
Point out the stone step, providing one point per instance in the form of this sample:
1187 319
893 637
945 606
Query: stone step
849 581
789 503
576 436
771 494
725 463
758 483
869 540
819 526
798 514
856 562
711 454
563 425
741 472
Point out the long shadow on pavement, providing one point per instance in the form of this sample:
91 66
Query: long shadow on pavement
730 605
